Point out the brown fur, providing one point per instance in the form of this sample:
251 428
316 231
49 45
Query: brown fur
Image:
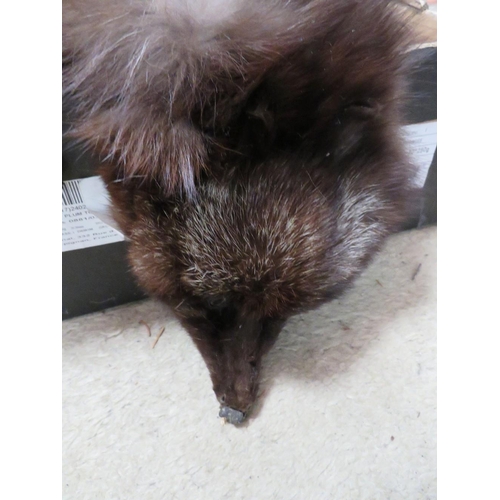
253 158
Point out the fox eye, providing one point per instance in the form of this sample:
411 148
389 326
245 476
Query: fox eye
366 108
217 303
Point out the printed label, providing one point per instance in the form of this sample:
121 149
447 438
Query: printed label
422 143
80 228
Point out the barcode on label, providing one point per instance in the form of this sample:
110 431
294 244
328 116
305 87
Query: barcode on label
80 227
71 193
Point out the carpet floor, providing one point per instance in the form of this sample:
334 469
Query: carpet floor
348 409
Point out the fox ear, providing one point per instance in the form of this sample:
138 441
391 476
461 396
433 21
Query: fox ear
173 154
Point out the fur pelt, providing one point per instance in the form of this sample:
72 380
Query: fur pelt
252 151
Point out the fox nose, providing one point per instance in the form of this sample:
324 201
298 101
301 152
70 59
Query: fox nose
231 415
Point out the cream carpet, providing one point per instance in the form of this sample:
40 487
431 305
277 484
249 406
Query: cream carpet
348 411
